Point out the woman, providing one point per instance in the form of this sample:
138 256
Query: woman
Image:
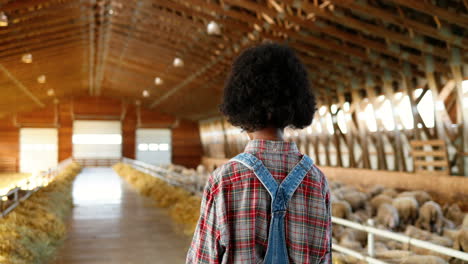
269 204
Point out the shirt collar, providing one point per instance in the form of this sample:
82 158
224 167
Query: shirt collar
270 146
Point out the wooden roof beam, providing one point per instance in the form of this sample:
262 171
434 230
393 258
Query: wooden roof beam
403 22
430 9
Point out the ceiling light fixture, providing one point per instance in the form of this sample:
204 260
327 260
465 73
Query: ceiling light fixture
213 28
50 92
3 20
26 58
145 93
158 81
178 62
41 79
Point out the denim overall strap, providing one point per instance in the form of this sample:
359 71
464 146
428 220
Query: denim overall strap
277 252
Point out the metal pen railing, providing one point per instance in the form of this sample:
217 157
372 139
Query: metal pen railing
162 173
11 200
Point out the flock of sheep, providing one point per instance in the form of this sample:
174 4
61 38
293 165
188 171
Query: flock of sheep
413 213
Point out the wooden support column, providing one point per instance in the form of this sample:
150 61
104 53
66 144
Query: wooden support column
408 86
337 132
349 136
360 125
462 113
438 105
400 164
382 160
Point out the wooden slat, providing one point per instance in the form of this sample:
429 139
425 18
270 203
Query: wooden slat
436 163
417 153
437 142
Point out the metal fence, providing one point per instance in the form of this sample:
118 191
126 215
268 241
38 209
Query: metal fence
197 187
10 200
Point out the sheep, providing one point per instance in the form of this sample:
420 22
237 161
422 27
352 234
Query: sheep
461 240
360 216
354 235
430 217
356 199
420 196
465 221
418 259
393 255
390 192
379 200
407 209
417 233
341 209
375 190
201 169
453 213
387 215
335 185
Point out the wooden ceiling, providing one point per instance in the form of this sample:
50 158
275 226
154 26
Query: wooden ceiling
116 48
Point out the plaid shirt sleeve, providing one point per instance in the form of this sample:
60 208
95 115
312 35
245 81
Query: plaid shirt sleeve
206 244
326 193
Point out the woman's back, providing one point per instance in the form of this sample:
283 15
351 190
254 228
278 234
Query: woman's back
243 208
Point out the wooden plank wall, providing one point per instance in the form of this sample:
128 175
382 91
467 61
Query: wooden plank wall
186 145
186 148
9 145
65 131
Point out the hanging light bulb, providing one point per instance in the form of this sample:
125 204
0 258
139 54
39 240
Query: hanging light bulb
50 92
41 79
158 81
3 20
213 28
145 93
27 58
178 62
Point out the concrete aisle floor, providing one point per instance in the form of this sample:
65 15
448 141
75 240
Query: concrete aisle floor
113 224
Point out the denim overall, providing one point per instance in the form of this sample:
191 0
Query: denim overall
277 252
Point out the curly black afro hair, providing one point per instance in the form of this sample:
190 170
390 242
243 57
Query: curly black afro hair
268 87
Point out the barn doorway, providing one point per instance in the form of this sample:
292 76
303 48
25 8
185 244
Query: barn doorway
97 139
153 146
38 149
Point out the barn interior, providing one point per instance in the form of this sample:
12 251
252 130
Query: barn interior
110 126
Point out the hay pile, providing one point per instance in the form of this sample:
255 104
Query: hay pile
31 233
183 207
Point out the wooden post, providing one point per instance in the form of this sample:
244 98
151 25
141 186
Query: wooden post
462 113
438 105
382 161
400 164
361 126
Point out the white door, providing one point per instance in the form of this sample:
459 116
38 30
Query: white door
38 149
153 146
97 139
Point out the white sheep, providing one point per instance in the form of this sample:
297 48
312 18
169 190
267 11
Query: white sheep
375 190
390 192
407 209
418 259
356 199
430 217
420 196
465 221
341 209
379 200
454 214
387 215
461 240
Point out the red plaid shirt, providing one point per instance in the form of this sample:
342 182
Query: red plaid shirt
235 211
